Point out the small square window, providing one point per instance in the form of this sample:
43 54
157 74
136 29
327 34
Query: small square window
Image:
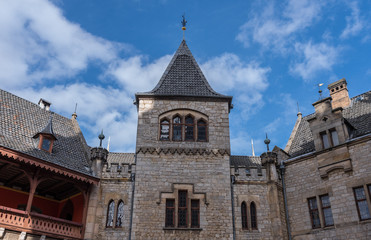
46 144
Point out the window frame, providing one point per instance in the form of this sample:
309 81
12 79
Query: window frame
206 129
197 210
173 209
117 214
365 200
162 124
253 216
244 217
312 210
41 141
108 213
183 208
193 125
177 124
326 207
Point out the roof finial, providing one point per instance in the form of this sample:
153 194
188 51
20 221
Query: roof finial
267 141
101 137
74 114
299 113
183 22
252 147
320 91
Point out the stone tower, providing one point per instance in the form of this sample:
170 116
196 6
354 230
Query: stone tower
182 185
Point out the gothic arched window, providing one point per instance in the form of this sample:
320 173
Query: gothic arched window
110 213
177 128
120 214
244 215
165 129
201 130
254 223
189 128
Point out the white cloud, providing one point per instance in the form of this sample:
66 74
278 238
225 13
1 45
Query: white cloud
315 58
136 74
275 28
354 22
37 42
228 73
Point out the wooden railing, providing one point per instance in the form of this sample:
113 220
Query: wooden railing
38 223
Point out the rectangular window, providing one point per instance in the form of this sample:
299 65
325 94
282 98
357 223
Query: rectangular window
361 201
326 210
182 208
195 213
334 137
325 140
170 213
313 212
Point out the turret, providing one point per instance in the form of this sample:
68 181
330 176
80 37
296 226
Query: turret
98 157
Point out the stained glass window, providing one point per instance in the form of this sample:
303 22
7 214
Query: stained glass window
120 214
110 213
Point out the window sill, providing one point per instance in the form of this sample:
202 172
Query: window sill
182 229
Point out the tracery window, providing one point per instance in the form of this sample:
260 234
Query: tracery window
244 215
165 130
177 129
110 213
254 223
189 128
120 214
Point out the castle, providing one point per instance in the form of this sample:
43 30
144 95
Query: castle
182 181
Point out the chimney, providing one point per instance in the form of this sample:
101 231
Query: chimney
339 94
44 104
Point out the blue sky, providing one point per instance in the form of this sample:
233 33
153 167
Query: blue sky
268 55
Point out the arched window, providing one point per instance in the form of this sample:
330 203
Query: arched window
177 128
165 130
189 128
244 215
120 214
254 223
110 213
201 130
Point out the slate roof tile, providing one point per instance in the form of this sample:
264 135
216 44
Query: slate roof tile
245 161
21 120
358 114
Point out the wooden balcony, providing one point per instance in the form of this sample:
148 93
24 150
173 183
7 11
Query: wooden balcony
35 223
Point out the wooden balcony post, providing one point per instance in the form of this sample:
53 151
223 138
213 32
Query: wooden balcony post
34 182
86 195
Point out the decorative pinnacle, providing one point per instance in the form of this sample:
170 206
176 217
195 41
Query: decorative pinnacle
183 22
101 137
267 141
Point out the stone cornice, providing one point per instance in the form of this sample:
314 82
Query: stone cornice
186 151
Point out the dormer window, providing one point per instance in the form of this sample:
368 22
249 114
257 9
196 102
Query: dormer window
325 140
334 137
46 137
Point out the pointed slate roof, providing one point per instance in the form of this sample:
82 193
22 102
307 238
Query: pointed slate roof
48 129
183 77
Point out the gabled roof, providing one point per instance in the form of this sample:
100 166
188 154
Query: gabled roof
358 115
21 120
183 77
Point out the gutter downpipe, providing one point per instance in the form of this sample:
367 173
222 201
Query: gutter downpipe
132 176
282 171
232 198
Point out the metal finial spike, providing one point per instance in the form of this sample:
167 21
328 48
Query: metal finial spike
101 137
267 141
75 108
320 91
184 22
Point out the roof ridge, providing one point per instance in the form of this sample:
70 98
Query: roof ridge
36 105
